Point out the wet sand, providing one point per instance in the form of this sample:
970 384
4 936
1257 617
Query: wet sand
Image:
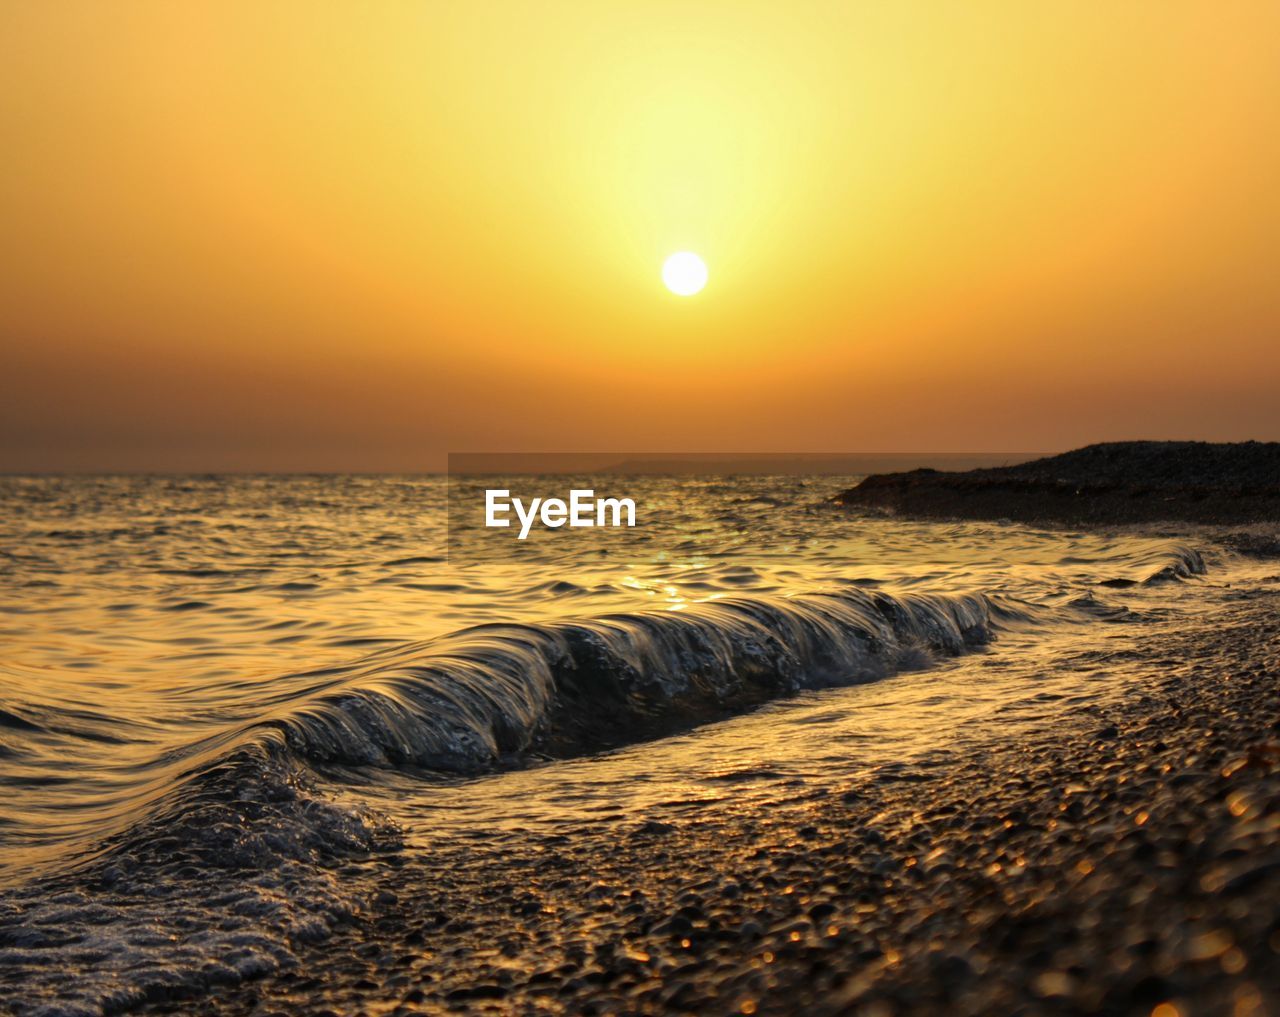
1129 863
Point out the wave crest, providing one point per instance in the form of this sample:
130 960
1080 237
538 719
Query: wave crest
482 696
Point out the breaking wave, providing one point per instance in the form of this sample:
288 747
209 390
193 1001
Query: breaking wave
491 694
248 849
217 856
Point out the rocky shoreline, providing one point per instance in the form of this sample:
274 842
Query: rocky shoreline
1112 483
1127 865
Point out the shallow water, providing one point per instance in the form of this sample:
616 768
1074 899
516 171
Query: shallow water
263 675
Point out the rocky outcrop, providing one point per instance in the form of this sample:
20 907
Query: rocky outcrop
1115 482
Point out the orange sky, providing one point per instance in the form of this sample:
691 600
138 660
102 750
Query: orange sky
344 236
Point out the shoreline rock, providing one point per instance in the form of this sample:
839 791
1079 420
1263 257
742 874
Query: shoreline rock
1110 483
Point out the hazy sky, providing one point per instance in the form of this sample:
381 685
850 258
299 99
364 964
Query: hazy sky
268 235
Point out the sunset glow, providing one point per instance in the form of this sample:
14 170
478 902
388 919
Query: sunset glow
464 210
722 507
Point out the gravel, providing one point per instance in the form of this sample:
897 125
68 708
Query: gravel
1132 867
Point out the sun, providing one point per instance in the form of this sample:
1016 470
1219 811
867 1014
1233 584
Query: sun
684 273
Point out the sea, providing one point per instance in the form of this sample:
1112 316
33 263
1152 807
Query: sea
217 693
